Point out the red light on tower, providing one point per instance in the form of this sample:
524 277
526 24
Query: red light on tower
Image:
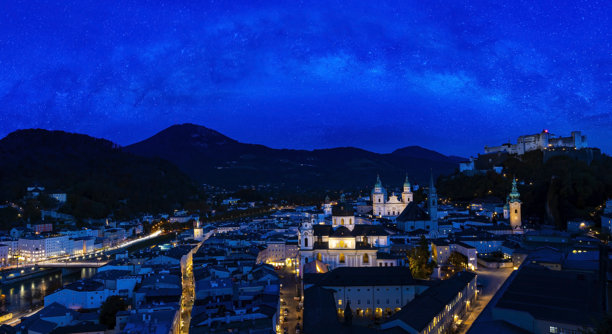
546 130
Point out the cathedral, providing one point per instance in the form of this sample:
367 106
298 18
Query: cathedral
392 206
416 218
343 243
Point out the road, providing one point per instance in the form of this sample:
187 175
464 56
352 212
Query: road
491 280
288 292
92 255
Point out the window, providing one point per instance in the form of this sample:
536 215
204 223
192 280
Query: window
379 201
319 257
553 329
342 221
342 259
339 301
515 211
305 242
366 258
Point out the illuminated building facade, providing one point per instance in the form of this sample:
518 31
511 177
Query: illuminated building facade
541 141
343 243
392 206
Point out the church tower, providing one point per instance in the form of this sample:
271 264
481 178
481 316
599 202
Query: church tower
507 208
432 200
407 194
327 206
514 205
378 198
306 234
198 232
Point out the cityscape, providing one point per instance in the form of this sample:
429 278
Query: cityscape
305 168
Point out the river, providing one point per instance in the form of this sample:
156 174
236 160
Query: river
24 295
30 293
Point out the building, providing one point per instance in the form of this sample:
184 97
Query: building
429 306
540 141
414 217
279 251
343 243
36 248
437 309
198 231
541 300
4 255
514 207
60 197
371 292
392 206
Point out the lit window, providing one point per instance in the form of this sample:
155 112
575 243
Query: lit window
553 329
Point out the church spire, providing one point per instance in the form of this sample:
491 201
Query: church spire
406 182
432 200
514 194
378 182
432 186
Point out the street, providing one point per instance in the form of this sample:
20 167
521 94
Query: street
288 292
491 280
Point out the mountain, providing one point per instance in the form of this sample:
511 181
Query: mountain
212 158
418 152
98 175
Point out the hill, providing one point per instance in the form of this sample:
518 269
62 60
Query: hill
98 175
212 158
559 189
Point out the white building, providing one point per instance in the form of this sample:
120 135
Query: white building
4 255
392 206
343 243
541 141
36 248
89 294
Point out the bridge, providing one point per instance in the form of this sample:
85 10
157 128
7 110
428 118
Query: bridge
85 264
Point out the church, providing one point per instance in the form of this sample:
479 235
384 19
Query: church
392 206
343 243
512 209
414 217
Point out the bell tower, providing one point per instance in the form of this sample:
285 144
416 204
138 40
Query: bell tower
407 195
514 206
378 198
432 200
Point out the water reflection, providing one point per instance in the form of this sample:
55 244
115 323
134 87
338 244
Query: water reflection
28 294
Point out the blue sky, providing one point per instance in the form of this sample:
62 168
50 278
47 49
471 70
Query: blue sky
448 75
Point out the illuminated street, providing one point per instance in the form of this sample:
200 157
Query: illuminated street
491 280
289 291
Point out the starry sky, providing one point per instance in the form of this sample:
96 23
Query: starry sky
447 75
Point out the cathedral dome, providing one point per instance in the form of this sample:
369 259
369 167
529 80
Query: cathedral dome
343 210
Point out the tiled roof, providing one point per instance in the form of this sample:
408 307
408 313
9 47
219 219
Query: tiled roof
412 212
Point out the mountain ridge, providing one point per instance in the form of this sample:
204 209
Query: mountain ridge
218 159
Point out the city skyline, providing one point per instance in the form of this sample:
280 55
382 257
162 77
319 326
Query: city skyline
451 78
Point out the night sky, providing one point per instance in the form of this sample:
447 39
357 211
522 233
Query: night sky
447 75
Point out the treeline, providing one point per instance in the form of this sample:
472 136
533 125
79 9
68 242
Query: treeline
556 191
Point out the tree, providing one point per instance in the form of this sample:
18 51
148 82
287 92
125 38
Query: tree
109 309
604 326
458 260
419 258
